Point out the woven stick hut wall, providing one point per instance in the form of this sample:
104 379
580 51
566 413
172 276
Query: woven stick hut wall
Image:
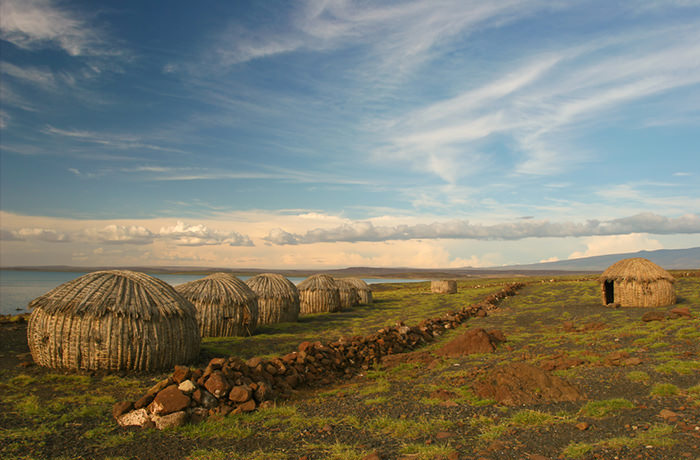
637 282
318 293
225 305
363 290
349 297
278 298
443 286
113 320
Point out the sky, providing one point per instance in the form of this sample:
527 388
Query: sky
320 133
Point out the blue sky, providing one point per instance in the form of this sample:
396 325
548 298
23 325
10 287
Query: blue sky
335 133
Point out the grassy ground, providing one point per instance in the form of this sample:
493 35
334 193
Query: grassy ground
421 407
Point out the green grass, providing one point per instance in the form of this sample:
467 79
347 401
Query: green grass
638 376
577 450
599 409
664 389
656 436
676 366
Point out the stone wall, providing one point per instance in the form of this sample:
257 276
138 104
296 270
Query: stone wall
229 385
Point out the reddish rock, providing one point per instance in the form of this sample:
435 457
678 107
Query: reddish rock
247 406
144 401
653 316
443 435
217 363
668 415
521 383
497 335
205 399
155 389
475 340
560 363
122 408
678 312
632 362
217 384
181 374
240 394
263 392
168 401
171 420
583 426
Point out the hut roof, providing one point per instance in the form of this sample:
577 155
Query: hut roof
115 292
318 283
635 269
269 285
345 285
358 283
217 289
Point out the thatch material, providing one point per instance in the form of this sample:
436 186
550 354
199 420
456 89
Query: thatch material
443 286
318 293
637 282
349 297
363 290
113 320
225 305
278 298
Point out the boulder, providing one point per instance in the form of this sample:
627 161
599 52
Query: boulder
168 401
653 316
136 417
171 420
217 384
121 408
240 393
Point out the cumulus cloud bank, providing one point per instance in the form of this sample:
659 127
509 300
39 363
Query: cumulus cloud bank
463 229
181 234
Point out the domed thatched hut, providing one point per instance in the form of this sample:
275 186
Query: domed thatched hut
637 282
349 296
443 286
318 293
278 298
225 305
113 320
363 290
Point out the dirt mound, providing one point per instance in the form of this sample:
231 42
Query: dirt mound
520 383
475 340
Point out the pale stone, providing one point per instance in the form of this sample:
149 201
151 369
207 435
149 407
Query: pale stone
171 420
137 417
187 387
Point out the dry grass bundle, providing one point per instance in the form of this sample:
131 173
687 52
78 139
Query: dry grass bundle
318 293
363 290
349 297
443 286
113 320
637 282
225 305
278 298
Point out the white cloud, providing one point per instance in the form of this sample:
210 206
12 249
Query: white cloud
462 229
121 234
35 24
613 244
543 103
200 235
35 234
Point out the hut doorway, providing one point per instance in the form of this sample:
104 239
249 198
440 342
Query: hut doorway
609 287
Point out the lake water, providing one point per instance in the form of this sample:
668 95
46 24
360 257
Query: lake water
18 287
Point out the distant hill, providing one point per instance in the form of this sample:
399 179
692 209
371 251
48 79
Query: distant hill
669 259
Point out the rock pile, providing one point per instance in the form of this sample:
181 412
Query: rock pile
229 385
